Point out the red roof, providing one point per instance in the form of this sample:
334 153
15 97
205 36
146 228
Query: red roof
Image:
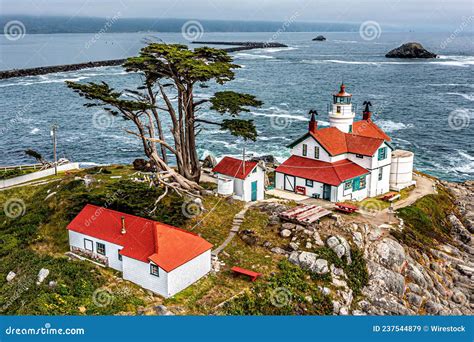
145 240
233 167
319 171
368 128
337 142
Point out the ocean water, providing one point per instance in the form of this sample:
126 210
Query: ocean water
426 106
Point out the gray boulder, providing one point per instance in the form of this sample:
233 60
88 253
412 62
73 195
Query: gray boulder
309 261
319 38
340 246
410 50
390 254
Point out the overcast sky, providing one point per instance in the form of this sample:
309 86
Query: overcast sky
406 13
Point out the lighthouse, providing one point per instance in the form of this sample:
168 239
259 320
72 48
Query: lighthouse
342 115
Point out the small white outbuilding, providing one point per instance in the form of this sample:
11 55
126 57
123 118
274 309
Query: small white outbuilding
244 180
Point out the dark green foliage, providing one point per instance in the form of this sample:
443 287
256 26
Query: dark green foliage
233 103
426 221
357 273
240 128
283 293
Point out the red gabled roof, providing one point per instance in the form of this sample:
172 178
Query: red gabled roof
337 142
233 167
368 128
167 246
319 171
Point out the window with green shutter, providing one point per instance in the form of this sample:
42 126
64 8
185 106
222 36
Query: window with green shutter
316 152
305 150
382 153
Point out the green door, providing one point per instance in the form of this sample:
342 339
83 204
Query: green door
326 192
356 184
254 191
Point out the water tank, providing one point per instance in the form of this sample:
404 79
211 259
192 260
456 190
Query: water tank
225 186
401 170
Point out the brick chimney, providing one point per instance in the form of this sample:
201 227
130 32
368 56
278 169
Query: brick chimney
313 124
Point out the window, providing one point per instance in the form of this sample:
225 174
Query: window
380 174
362 182
100 248
338 109
382 153
254 170
348 185
350 128
119 255
88 245
305 150
316 152
359 156
309 183
154 270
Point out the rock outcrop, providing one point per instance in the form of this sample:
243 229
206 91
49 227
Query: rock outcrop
319 38
410 50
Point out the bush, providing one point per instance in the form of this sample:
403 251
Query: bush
284 293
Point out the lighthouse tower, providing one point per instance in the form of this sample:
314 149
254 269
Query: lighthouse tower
342 116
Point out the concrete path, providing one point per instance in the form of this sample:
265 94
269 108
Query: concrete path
236 223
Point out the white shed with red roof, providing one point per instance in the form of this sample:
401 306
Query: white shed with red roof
158 257
244 180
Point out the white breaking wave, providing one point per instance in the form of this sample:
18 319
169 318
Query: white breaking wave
252 56
465 164
34 130
391 126
345 41
272 50
469 97
459 61
281 115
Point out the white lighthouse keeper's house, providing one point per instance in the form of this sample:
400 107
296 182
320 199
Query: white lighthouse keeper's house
245 180
350 160
156 256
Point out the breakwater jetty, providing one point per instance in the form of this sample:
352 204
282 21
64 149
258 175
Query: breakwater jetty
238 46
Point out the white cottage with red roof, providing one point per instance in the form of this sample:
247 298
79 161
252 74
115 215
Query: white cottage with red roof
244 180
158 257
349 160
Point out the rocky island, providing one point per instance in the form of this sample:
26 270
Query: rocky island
410 50
319 38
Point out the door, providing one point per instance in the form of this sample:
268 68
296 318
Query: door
254 191
356 184
327 192
289 183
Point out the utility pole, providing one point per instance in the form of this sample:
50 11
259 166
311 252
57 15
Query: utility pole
54 128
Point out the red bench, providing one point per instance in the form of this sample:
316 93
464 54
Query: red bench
346 208
389 196
253 275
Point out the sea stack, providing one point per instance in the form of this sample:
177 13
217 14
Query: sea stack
410 50
319 38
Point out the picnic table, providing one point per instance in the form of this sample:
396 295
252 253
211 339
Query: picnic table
389 196
346 208
253 275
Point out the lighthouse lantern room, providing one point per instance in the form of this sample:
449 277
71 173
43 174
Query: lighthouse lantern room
342 115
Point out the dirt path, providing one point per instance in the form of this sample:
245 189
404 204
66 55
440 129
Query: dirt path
424 186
